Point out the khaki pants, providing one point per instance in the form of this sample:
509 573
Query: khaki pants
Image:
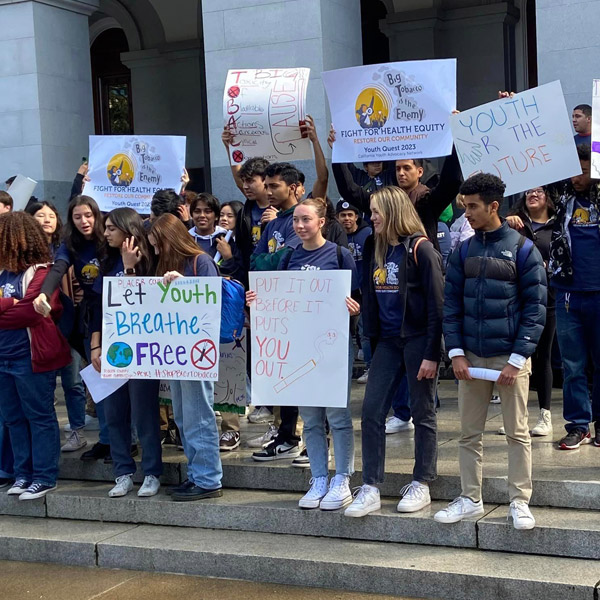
473 401
229 421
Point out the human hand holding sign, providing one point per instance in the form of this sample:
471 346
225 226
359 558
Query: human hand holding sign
170 276
331 136
250 297
460 366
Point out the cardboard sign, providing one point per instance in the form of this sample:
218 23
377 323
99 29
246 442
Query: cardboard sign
525 140
127 170
392 111
21 189
300 337
152 330
230 390
596 130
264 109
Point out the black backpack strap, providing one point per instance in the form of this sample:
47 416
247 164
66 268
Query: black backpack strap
340 257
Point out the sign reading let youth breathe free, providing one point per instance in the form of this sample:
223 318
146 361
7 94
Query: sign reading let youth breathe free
525 140
392 111
153 330
300 329
127 170
264 108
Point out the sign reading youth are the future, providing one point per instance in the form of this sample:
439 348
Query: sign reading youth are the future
300 330
264 109
127 170
154 330
525 140
393 110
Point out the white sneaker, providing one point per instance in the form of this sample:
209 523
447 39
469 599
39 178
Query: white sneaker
495 399
521 515
415 496
339 494
395 425
317 491
459 509
544 424
260 415
364 377
366 501
262 440
501 430
360 355
75 441
123 487
150 487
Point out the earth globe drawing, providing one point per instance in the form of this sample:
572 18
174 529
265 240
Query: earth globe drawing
119 355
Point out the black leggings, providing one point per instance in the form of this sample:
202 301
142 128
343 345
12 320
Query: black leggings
541 363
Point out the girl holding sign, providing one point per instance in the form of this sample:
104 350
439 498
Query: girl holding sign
402 310
126 254
179 256
318 253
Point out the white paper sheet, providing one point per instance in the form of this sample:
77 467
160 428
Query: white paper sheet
487 374
100 388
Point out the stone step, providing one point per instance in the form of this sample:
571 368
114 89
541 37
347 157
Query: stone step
361 566
551 486
559 532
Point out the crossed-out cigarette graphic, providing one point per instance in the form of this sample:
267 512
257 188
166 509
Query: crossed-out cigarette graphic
329 338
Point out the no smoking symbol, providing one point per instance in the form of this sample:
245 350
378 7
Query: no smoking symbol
238 156
204 355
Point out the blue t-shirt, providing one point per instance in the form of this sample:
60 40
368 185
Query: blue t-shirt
256 216
278 233
356 243
387 292
117 270
14 343
85 264
324 258
582 139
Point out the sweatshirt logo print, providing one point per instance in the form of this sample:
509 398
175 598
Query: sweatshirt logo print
386 279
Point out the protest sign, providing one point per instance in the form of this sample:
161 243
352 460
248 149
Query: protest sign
596 129
264 109
525 140
97 387
127 170
153 330
21 189
392 111
300 331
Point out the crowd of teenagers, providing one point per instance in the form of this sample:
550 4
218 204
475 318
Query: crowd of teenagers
436 270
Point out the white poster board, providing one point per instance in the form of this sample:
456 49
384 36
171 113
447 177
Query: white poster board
525 140
392 111
596 129
300 336
127 170
152 330
264 108
21 189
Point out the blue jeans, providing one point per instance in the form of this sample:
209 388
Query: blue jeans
578 332
135 403
27 408
103 433
365 343
194 415
401 400
74 391
6 454
340 423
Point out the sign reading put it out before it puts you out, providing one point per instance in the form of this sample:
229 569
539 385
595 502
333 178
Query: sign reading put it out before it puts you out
153 330
300 336
525 140
392 111
127 170
264 109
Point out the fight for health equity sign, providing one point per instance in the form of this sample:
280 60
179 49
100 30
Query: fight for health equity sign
127 170
264 109
153 330
392 111
525 140
300 330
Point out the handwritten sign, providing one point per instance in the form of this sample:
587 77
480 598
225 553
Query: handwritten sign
230 389
264 109
152 330
392 111
525 140
127 170
596 129
300 337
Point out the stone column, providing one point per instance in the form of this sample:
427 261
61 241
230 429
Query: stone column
46 111
319 34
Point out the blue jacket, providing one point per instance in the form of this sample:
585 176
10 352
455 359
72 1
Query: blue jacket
490 309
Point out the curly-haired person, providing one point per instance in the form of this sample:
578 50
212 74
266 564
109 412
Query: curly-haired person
31 350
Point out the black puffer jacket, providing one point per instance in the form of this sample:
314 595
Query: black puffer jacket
490 309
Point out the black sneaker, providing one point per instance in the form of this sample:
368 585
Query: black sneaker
597 436
6 481
196 493
36 490
179 488
574 439
230 440
134 452
275 450
98 452
301 460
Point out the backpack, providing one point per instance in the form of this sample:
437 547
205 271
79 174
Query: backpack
524 248
285 260
233 303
